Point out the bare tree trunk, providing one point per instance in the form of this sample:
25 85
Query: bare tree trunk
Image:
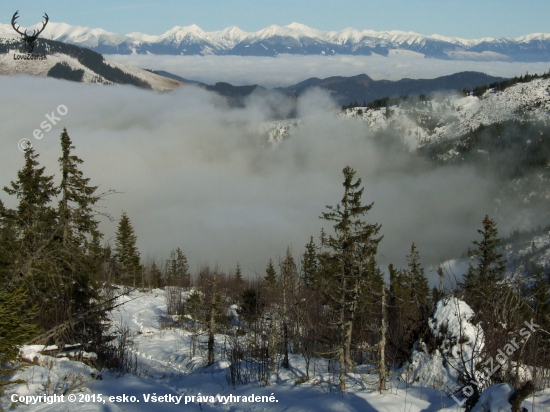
212 322
342 337
348 330
286 363
284 285
272 341
382 343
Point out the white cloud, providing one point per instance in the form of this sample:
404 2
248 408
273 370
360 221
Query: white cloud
202 178
285 70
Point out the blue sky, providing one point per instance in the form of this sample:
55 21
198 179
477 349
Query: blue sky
464 18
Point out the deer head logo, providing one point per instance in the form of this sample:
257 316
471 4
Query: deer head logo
29 39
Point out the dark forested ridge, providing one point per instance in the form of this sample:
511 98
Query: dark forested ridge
362 88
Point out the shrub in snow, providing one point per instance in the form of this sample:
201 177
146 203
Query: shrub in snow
494 399
450 351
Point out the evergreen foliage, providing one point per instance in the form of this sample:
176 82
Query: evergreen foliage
252 305
16 326
503 85
62 70
177 269
270 274
126 252
509 149
351 249
480 280
78 239
310 264
53 253
417 283
239 275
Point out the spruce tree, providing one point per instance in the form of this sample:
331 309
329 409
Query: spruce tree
27 245
126 252
177 269
239 275
399 311
80 254
155 275
353 245
417 283
35 191
270 274
480 281
310 264
287 286
16 327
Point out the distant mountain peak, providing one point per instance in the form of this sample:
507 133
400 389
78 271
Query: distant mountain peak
297 38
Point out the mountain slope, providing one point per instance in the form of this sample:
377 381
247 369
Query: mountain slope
450 116
94 68
297 38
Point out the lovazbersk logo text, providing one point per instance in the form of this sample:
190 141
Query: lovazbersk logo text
28 39
29 56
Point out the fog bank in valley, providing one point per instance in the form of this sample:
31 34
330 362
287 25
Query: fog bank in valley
202 177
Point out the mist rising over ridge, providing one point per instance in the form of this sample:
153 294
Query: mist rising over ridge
205 178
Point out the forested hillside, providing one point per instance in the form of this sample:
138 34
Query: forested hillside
324 315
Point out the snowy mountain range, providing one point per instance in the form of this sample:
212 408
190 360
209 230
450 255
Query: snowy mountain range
297 38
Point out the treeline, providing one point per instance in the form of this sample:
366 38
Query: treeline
503 85
386 102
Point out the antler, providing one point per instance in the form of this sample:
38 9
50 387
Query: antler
37 32
13 19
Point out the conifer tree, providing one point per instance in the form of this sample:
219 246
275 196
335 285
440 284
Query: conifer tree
399 309
480 281
239 275
310 264
417 283
27 240
35 191
155 275
177 269
270 274
126 252
16 327
288 286
55 252
351 248
78 238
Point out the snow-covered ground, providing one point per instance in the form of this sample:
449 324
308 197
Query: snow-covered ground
449 116
11 66
166 369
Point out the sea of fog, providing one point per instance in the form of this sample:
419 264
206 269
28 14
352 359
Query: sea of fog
286 70
200 176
